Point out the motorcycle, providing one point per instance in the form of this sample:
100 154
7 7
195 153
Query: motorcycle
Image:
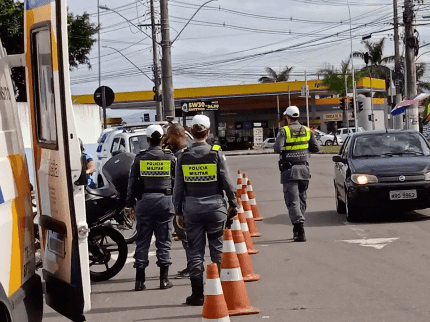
105 212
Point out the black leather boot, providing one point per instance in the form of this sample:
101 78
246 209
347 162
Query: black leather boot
299 233
164 278
197 298
140 279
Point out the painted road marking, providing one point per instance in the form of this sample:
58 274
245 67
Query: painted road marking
377 243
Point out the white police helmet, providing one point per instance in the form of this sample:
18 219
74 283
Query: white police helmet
201 120
292 111
153 129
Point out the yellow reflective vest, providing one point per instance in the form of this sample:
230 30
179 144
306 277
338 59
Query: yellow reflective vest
297 140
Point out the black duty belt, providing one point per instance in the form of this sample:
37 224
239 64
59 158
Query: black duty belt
167 192
200 194
299 163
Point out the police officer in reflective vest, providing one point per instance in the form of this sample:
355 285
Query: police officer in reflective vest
150 188
293 143
202 177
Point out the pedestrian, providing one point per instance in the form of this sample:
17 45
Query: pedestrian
90 166
177 142
150 190
293 143
202 177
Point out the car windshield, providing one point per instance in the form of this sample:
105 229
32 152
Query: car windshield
138 143
389 144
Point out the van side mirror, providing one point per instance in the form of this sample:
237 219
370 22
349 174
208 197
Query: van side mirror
338 158
83 179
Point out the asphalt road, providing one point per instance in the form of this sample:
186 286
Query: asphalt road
371 271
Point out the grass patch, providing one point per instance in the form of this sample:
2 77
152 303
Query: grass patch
330 148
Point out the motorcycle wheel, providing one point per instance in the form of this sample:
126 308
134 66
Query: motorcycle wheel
107 251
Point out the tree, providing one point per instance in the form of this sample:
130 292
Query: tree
334 80
81 40
274 77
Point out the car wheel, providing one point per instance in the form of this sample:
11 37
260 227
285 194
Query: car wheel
352 211
340 205
329 142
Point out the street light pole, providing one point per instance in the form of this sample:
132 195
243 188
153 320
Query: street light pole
157 96
353 73
98 34
166 62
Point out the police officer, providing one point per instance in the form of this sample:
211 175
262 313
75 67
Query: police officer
293 143
202 177
150 189
176 141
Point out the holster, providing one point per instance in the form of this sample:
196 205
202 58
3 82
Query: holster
284 165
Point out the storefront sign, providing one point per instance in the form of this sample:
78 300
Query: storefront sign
328 117
199 106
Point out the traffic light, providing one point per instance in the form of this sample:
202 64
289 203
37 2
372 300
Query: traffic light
351 104
359 106
343 103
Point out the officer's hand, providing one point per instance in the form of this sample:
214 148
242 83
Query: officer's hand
231 212
131 212
180 221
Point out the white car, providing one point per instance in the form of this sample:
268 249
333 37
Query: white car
269 143
344 132
326 139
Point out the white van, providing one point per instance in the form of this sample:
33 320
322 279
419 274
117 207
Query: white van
344 132
59 178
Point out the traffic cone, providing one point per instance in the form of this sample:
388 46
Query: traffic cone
248 213
233 286
243 226
243 256
239 185
214 307
253 202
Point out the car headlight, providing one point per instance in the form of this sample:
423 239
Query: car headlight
362 179
427 176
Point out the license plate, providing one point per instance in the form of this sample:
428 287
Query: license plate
403 194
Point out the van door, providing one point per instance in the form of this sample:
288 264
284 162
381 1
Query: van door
57 160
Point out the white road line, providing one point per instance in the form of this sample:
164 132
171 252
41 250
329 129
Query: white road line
377 243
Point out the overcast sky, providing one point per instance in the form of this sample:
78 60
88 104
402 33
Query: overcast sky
232 41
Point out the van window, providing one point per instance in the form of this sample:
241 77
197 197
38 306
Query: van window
138 143
115 145
44 87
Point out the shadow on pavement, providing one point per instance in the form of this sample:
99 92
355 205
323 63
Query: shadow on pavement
387 216
119 309
313 219
180 317
277 241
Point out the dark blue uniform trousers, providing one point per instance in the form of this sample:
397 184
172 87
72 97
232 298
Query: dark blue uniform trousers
154 215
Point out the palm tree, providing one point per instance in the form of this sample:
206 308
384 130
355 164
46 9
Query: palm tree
274 77
334 80
374 53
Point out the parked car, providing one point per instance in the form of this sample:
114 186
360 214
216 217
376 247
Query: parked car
344 132
326 139
381 170
269 143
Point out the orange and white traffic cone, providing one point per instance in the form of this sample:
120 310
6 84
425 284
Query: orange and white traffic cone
239 185
253 202
214 307
233 286
243 226
243 256
248 213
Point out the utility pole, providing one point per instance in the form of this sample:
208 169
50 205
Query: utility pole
166 62
157 82
398 119
412 112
